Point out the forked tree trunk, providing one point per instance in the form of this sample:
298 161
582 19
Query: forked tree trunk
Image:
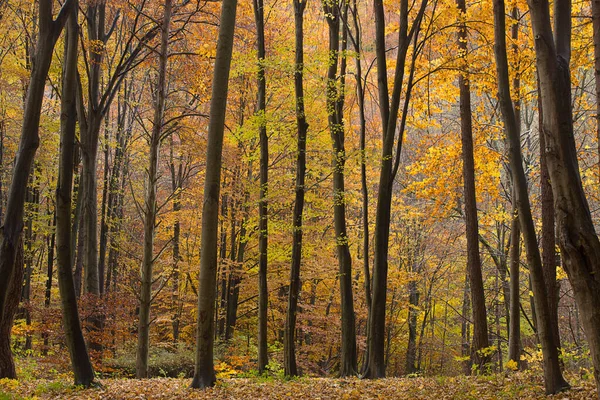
553 379
80 360
289 345
204 372
143 344
389 110
11 271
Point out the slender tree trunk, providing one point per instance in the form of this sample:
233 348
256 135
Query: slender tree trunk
141 365
289 345
11 271
465 332
554 381
104 216
80 360
263 291
234 289
204 374
335 108
50 271
514 336
176 178
480 328
413 311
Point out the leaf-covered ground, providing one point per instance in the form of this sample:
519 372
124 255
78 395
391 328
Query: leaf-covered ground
501 386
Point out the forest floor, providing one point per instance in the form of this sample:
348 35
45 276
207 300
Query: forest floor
525 385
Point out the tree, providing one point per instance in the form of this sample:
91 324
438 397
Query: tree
204 371
480 328
577 239
388 110
141 365
263 224
11 267
554 381
289 344
80 360
335 110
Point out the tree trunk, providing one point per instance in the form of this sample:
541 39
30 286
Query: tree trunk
335 108
389 110
176 186
554 381
514 336
11 271
143 344
263 291
50 271
548 237
577 239
413 312
360 95
289 346
80 360
465 329
596 30
204 374
480 328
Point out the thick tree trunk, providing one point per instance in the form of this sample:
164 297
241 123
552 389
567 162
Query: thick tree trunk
204 374
143 344
577 239
554 381
263 222
335 108
80 361
11 232
548 238
480 328
596 30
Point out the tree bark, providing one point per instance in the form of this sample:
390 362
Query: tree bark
335 110
553 379
480 329
596 37
577 239
514 336
80 360
11 232
360 95
289 345
389 110
263 222
143 344
204 373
